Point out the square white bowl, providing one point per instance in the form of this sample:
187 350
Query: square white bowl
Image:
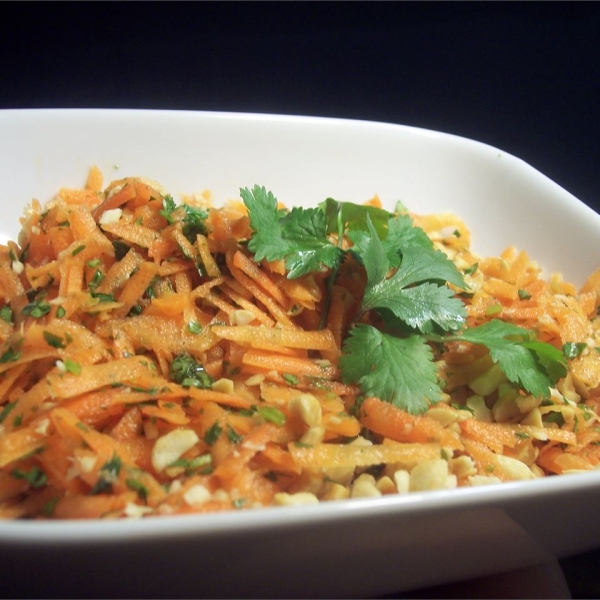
352 548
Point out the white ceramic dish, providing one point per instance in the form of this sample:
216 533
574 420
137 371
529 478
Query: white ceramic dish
354 548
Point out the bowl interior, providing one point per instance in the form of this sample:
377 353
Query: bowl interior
302 160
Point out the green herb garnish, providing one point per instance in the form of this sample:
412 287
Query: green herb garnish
35 477
572 350
410 285
186 371
6 314
53 340
36 309
107 476
270 413
212 433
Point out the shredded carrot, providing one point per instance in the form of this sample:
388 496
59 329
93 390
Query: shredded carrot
150 368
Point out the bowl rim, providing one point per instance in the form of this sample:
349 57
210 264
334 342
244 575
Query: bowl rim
271 518
265 519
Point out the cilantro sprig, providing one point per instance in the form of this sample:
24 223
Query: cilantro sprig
192 218
299 236
413 288
400 370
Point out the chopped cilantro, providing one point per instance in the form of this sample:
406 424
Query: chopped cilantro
212 433
11 354
493 309
470 270
194 327
103 297
245 412
35 477
462 407
290 378
192 218
53 340
136 309
192 464
96 279
72 366
6 410
270 413
524 294
233 436
138 487
239 503
573 349
6 314
186 371
49 506
36 309
107 475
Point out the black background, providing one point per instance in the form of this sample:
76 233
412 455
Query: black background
523 77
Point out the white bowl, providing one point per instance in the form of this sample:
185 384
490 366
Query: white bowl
352 548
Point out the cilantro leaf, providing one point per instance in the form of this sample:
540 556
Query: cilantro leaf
400 234
532 365
305 230
374 257
419 306
354 216
299 236
552 359
397 370
264 216
419 264
194 222
168 209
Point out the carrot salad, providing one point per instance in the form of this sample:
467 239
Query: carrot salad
161 358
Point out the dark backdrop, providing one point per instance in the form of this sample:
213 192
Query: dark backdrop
520 76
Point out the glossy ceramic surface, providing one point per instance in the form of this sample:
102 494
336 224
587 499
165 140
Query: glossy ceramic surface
354 548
